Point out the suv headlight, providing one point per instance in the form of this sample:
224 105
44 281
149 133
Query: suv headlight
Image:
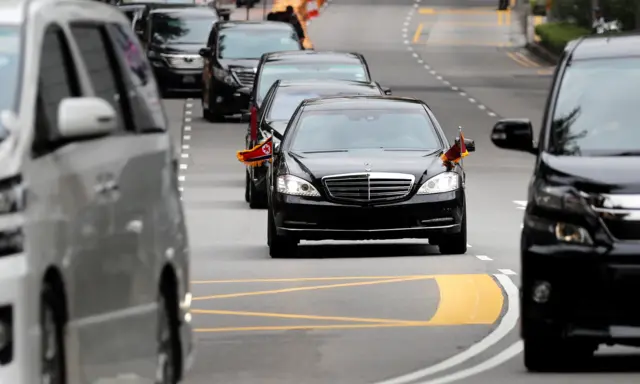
224 76
292 185
444 182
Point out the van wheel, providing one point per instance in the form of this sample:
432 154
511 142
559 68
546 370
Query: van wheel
53 369
280 247
455 244
247 181
168 343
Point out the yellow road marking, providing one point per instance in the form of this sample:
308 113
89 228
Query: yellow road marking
317 287
524 58
296 316
467 299
504 17
308 327
416 36
507 17
301 279
515 58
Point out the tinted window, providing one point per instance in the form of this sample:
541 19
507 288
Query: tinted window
243 43
273 72
95 54
286 101
9 67
597 109
364 129
180 29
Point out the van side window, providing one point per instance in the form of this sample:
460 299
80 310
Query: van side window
104 73
57 80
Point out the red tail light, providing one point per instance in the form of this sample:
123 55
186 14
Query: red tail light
254 123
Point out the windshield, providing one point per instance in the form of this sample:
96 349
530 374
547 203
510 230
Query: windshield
253 43
179 29
286 102
364 129
588 123
9 67
319 71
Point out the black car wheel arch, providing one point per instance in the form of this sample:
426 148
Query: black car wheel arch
455 244
280 247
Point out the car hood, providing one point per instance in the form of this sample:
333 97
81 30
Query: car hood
239 63
174 49
598 174
422 165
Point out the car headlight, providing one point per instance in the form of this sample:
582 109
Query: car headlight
292 185
224 76
570 233
11 198
560 198
444 182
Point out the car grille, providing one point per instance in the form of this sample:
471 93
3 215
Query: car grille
619 213
368 187
245 76
185 61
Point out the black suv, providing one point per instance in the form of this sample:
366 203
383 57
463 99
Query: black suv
580 245
230 60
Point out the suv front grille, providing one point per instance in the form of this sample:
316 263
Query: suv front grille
368 187
620 214
185 61
245 76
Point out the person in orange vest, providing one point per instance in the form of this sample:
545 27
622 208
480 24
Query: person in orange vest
503 5
293 20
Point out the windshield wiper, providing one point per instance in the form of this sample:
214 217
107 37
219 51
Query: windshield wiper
327 151
628 153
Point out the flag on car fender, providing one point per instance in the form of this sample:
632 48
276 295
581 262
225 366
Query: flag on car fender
258 154
457 151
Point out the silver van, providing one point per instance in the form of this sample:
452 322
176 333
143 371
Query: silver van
94 255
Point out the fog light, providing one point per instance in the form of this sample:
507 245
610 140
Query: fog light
541 292
572 234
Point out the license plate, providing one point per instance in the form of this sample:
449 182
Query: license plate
189 79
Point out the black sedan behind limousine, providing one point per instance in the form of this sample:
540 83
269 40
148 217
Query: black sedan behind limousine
365 167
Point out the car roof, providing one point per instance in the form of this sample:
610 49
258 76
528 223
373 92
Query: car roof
254 25
324 84
363 102
14 12
189 10
605 46
314 56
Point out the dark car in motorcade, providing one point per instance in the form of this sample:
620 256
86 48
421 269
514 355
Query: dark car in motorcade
279 105
365 168
580 242
138 11
308 64
174 36
231 56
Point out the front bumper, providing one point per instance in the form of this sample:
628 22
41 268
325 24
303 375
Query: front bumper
228 100
591 290
178 80
23 366
424 216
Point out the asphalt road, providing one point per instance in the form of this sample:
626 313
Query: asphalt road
377 313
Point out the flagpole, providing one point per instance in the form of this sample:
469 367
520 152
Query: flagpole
460 145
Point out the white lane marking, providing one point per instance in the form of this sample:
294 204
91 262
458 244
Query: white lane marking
186 146
432 72
427 67
187 112
415 54
185 155
404 35
187 119
415 5
455 89
181 189
445 82
507 323
492 114
181 178
187 137
509 353
410 48
183 166
463 94
406 23
189 99
507 272
439 78
420 61
406 41
472 100
189 105
404 30
521 204
187 127
484 258
482 107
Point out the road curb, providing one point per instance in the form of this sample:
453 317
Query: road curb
542 53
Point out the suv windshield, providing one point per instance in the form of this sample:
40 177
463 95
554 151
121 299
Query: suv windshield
273 72
332 130
597 112
245 43
9 70
180 29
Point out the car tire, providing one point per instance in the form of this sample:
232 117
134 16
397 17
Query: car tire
280 247
53 368
246 186
455 244
257 198
544 354
168 344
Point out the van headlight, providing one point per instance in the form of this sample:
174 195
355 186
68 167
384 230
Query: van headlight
11 198
292 185
444 182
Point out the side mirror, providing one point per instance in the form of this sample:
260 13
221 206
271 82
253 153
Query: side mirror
470 144
514 134
387 91
80 117
205 52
